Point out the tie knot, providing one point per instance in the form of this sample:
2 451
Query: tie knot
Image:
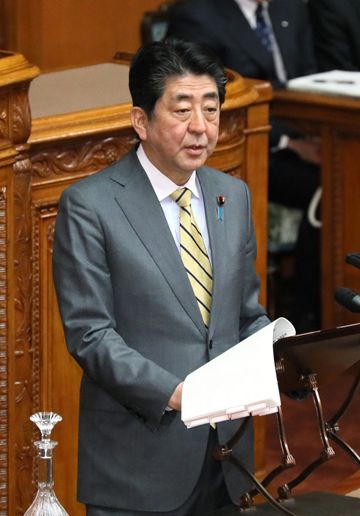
182 196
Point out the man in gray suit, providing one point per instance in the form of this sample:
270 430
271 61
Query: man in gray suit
131 318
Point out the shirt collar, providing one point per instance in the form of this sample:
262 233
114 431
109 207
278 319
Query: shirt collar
162 185
248 8
249 5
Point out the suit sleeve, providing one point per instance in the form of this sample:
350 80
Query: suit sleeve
84 290
253 315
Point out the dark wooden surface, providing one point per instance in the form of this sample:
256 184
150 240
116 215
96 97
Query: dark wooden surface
336 120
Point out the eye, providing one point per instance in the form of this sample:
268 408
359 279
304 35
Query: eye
211 112
182 113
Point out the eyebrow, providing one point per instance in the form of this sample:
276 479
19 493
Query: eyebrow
187 96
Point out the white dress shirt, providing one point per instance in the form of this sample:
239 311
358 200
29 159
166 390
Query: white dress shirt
248 8
164 187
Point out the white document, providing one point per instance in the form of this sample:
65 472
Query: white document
335 82
240 382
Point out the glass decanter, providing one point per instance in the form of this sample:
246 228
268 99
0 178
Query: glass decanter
45 502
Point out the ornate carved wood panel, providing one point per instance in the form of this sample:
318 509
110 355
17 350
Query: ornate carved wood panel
79 158
16 401
3 353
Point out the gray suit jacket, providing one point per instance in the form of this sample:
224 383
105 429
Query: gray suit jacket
132 323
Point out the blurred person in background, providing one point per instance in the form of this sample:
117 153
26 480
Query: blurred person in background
270 41
336 25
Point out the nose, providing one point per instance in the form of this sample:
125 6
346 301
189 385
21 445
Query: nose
197 122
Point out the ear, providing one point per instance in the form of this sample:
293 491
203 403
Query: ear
140 122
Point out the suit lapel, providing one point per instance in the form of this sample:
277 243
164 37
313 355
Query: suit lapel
216 229
282 27
239 30
138 201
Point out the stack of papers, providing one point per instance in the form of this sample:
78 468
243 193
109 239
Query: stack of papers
335 82
240 382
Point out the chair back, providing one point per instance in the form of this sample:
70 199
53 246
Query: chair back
154 24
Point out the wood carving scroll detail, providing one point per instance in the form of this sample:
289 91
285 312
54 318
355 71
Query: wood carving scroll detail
15 117
24 404
80 157
50 235
39 213
4 117
3 355
21 116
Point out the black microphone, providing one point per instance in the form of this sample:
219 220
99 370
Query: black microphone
348 298
353 259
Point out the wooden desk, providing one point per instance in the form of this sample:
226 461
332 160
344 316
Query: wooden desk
75 132
337 121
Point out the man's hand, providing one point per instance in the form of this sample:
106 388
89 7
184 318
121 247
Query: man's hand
175 400
307 149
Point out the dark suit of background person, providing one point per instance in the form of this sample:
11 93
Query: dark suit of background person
130 316
336 26
292 180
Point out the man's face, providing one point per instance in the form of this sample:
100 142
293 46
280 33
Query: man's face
183 130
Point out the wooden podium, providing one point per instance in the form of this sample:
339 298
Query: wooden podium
80 124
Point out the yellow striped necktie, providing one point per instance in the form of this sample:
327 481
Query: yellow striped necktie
193 254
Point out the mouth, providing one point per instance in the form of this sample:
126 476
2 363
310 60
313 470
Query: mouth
195 150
